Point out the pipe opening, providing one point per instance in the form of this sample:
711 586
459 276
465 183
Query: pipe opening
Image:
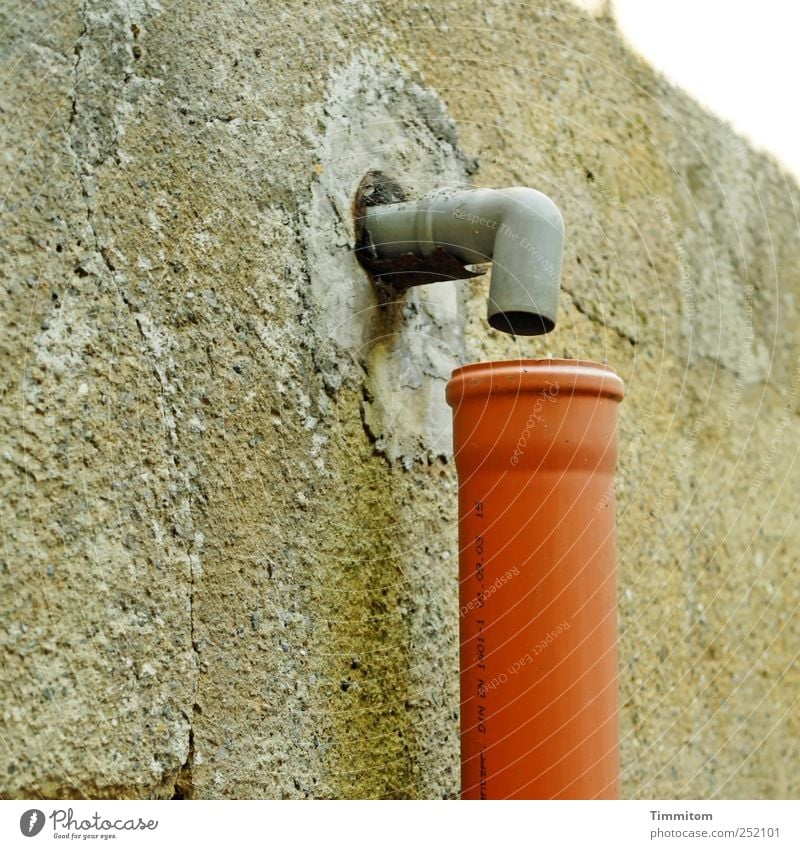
521 323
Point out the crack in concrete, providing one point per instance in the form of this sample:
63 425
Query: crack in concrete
595 320
183 787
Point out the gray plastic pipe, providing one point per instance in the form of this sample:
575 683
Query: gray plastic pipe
520 230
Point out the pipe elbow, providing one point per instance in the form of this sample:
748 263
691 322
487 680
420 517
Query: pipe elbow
528 210
526 263
520 230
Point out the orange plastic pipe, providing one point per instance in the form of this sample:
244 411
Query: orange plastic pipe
535 446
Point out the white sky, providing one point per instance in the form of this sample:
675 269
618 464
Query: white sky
739 59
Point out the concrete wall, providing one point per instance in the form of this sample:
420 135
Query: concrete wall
228 560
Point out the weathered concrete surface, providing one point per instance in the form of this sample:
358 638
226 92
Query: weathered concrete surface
229 552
